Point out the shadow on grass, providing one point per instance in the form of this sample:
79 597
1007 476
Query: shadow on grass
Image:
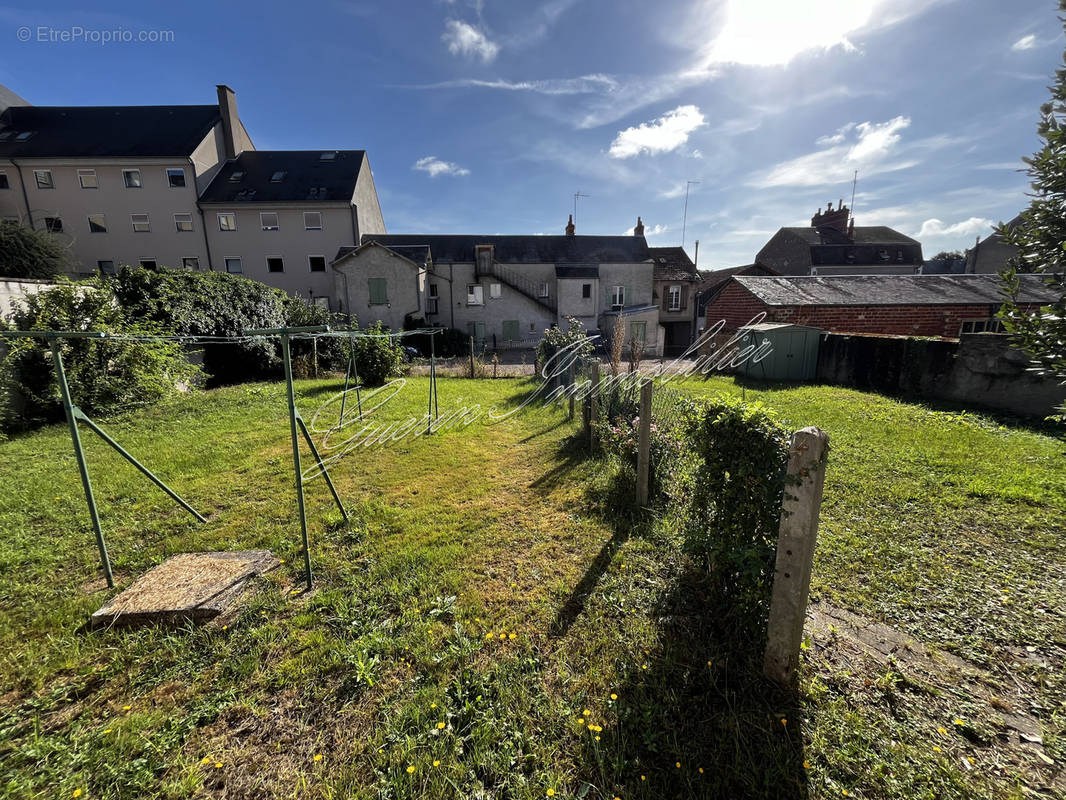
697 699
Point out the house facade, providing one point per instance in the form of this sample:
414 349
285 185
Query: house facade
941 306
181 186
502 290
834 245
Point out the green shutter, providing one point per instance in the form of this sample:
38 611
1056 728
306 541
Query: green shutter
378 294
510 330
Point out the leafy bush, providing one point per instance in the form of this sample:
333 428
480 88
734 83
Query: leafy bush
26 253
556 339
378 357
104 376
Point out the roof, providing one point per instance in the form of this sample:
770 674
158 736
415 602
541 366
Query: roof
870 234
891 290
577 271
525 249
764 327
305 177
717 278
418 254
105 131
673 264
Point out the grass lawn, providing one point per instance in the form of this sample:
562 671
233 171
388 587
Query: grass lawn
493 624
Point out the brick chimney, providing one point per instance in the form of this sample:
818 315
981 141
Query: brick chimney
227 107
836 219
638 229
570 226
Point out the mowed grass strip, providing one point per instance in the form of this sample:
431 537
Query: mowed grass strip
491 624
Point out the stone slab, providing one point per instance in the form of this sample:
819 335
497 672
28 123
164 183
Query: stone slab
186 587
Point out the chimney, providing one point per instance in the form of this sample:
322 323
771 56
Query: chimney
638 229
227 107
570 226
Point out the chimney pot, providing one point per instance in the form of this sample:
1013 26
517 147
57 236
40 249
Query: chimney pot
638 229
570 226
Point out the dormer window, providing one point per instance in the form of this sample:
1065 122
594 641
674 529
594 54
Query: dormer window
330 156
278 176
25 136
235 177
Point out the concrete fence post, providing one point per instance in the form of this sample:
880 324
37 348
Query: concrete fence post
644 443
594 408
570 387
471 356
800 507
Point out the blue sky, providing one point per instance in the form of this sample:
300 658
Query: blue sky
486 116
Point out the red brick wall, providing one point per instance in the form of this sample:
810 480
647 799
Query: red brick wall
737 306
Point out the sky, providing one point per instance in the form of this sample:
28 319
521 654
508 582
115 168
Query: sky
487 116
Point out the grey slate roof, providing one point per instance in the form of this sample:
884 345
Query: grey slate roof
673 264
524 249
308 178
890 290
577 271
870 234
420 254
105 131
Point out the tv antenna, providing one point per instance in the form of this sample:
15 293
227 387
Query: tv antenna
854 181
684 218
577 195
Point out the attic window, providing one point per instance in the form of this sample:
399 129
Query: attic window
330 156
236 176
24 136
278 176
5 136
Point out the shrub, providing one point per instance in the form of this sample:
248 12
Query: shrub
556 339
105 376
378 356
26 253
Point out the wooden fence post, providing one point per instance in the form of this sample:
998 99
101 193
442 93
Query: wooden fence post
795 553
644 443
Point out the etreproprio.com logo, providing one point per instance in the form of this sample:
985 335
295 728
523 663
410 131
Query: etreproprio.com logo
76 34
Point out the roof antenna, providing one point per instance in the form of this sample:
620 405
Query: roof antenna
854 181
578 194
684 219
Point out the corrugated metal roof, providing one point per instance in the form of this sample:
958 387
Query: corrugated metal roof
890 290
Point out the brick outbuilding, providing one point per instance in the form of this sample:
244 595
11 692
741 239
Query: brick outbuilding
942 306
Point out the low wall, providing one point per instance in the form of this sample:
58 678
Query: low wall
980 369
12 291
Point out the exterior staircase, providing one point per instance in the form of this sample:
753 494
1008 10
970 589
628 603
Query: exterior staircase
521 284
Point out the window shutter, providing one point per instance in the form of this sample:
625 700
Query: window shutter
378 295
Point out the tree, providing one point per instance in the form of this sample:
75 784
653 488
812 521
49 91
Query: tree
1040 238
26 253
948 255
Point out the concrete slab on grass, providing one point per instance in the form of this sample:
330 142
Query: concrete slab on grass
186 587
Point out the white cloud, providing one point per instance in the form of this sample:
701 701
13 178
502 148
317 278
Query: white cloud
870 147
585 84
435 167
464 39
837 138
1025 43
662 135
969 227
654 230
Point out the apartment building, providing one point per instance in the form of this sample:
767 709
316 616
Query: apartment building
181 186
503 290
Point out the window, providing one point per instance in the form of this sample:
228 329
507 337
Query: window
330 156
53 224
316 263
544 289
486 254
87 178
227 221
97 223
321 302
638 331
132 178
510 330
586 291
882 254
475 294
618 296
673 297
495 290
141 223
44 179
981 326
183 223
899 256
25 136
268 220
234 265
275 264
148 263
278 176
176 177
433 301
379 295
190 262
235 177
105 267
3 181
312 220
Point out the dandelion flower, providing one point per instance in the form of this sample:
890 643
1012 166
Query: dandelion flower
436 763
614 697
678 765
957 722
701 770
503 635
441 726
708 662
432 705
79 792
410 769
941 730
107 730
550 793
225 627
643 666
127 708
936 749
784 721
597 738
806 764
643 778
218 765
205 760
318 756
588 713
510 636
580 720
488 635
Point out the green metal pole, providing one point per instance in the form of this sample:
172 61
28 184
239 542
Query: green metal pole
83 468
79 414
325 472
287 359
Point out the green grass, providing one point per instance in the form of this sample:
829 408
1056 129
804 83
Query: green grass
946 525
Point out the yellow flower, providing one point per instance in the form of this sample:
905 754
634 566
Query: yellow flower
281 560
441 726
318 756
436 763
488 635
127 708
597 738
510 636
503 635
678 765
380 751
958 722
580 720
643 666
784 721
941 730
225 627
614 697
701 770
432 705
550 793
218 765
205 760
708 662
587 712
79 792
410 769
643 778
107 730
806 764
937 749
